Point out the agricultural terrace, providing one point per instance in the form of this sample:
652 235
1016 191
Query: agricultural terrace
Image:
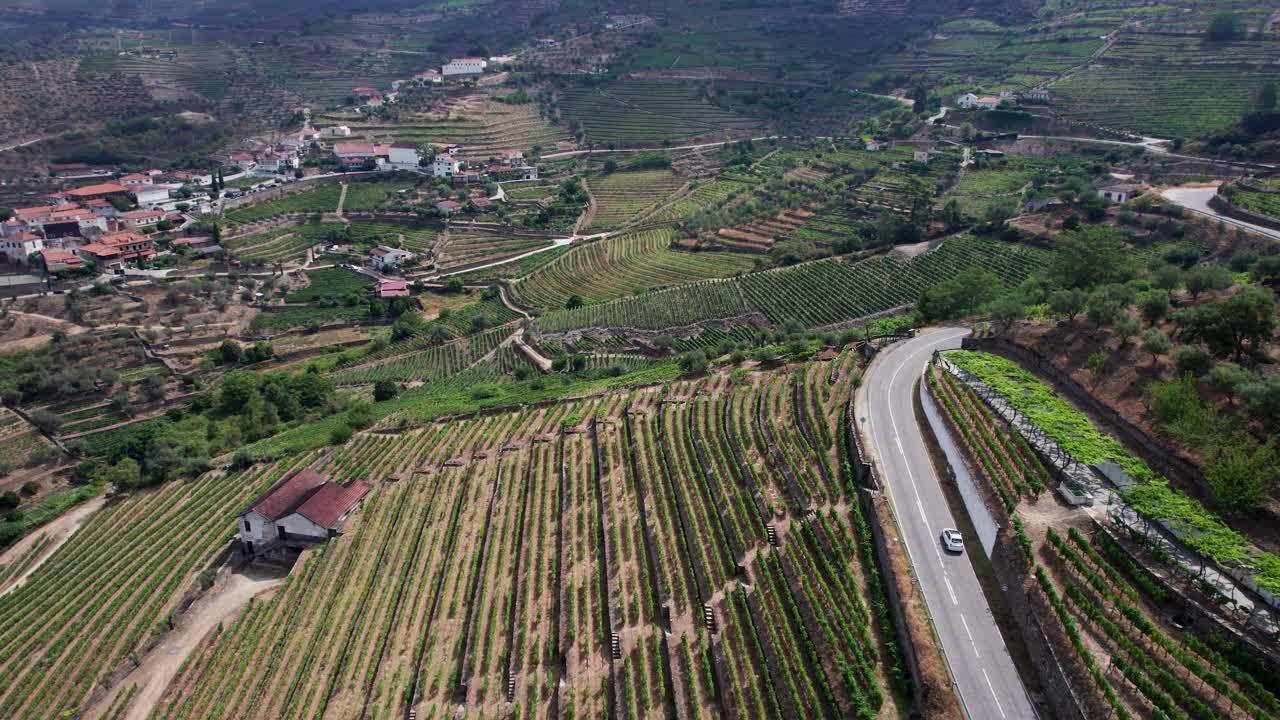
410 237
623 265
371 195
283 244
815 294
621 196
463 247
513 269
415 361
1259 202
526 563
483 131
100 596
704 194
1095 589
1152 496
20 444
322 199
330 284
635 111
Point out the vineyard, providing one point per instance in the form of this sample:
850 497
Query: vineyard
414 239
814 294
111 586
467 247
641 111
403 362
371 195
620 266
1264 203
483 131
321 199
621 196
687 549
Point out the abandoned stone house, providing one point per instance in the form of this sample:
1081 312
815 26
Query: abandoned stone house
300 510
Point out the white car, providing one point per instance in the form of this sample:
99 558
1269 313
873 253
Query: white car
952 541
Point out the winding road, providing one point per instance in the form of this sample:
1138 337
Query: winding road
984 673
1196 199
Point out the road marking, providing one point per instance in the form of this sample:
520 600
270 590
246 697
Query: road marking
993 692
950 590
971 642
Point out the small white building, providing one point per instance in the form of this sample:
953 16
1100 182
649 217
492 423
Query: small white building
1121 193
920 156
300 510
335 131
978 102
385 258
17 246
464 66
136 219
1036 95
404 156
446 166
149 195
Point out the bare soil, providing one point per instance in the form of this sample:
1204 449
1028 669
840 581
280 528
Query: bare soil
57 531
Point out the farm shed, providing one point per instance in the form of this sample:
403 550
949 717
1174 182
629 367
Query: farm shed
302 509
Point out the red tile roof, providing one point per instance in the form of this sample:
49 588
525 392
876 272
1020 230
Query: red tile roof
141 214
354 148
99 189
60 256
328 504
393 288
285 496
100 250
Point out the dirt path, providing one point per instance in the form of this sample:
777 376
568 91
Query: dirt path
57 531
229 595
72 327
589 214
342 200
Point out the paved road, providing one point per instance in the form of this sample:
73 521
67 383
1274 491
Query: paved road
984 673
1196 199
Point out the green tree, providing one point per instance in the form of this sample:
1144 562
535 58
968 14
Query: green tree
959 295
1154 305
1006 311
1190 359
1206 277
951 216
1246 319
574 301
1225 27
385 390
1227 378
1155 342
1095 364
124 474
1242 475
1068 302
692 363
1262 401
1265 102
1088 257
1125 328
229 352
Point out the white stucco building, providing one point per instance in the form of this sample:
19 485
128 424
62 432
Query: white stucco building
301 509
464 66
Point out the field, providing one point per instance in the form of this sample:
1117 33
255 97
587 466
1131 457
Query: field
1265 203
640 111
370 195
621 196
620 266
20 444
467 247
321 199
415 239
413 362
606 532
283 244
485 130
815 294
330 284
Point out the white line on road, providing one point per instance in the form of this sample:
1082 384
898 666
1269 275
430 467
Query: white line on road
993 691
950 590
971 642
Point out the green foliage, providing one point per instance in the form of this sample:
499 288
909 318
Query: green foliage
960 295
1246 320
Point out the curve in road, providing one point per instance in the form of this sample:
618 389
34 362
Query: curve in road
984 673
1196 199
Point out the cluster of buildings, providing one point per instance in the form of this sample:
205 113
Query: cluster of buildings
446 164
83 224
969 101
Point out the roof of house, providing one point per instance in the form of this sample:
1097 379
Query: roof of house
32 212
393 288
135 176
141 214
1124 187
51 255
22 236
354 148
288 494
331 501
100 250
404 145
448 205
98 189
366 90
383 250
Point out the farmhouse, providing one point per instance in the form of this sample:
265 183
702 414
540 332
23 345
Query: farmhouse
300 510
149 195
112 249
920 156
384 257
60 260
1121 193
101 190
134 179
464 66
367 96
449 207
979 102
354 153
393 288
18 246
445 166
876 145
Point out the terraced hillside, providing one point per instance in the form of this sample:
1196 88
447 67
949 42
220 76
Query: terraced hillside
687 549
620 197
486 130
623 265
815 294
648 111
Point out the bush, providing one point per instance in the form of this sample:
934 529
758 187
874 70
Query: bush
31 487
385 390
1189 359
340 435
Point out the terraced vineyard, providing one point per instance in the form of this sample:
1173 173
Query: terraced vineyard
370 195
284 243
315 200
1265 203
415 239
468 247
620 266
19 442
102 594
621 196
687 549
815 294
426 364
483 131
643 111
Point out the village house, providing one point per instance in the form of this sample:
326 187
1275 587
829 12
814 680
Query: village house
367 96
876 145
18 246
274 162
354 154
134 179
464 66
101 190
114 249
300 510
385 258
335 131
154 194
404 156
1121 193
920 156
393 288
431 76
60 260
445 166
1036 95
138 219
448 207
978 102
